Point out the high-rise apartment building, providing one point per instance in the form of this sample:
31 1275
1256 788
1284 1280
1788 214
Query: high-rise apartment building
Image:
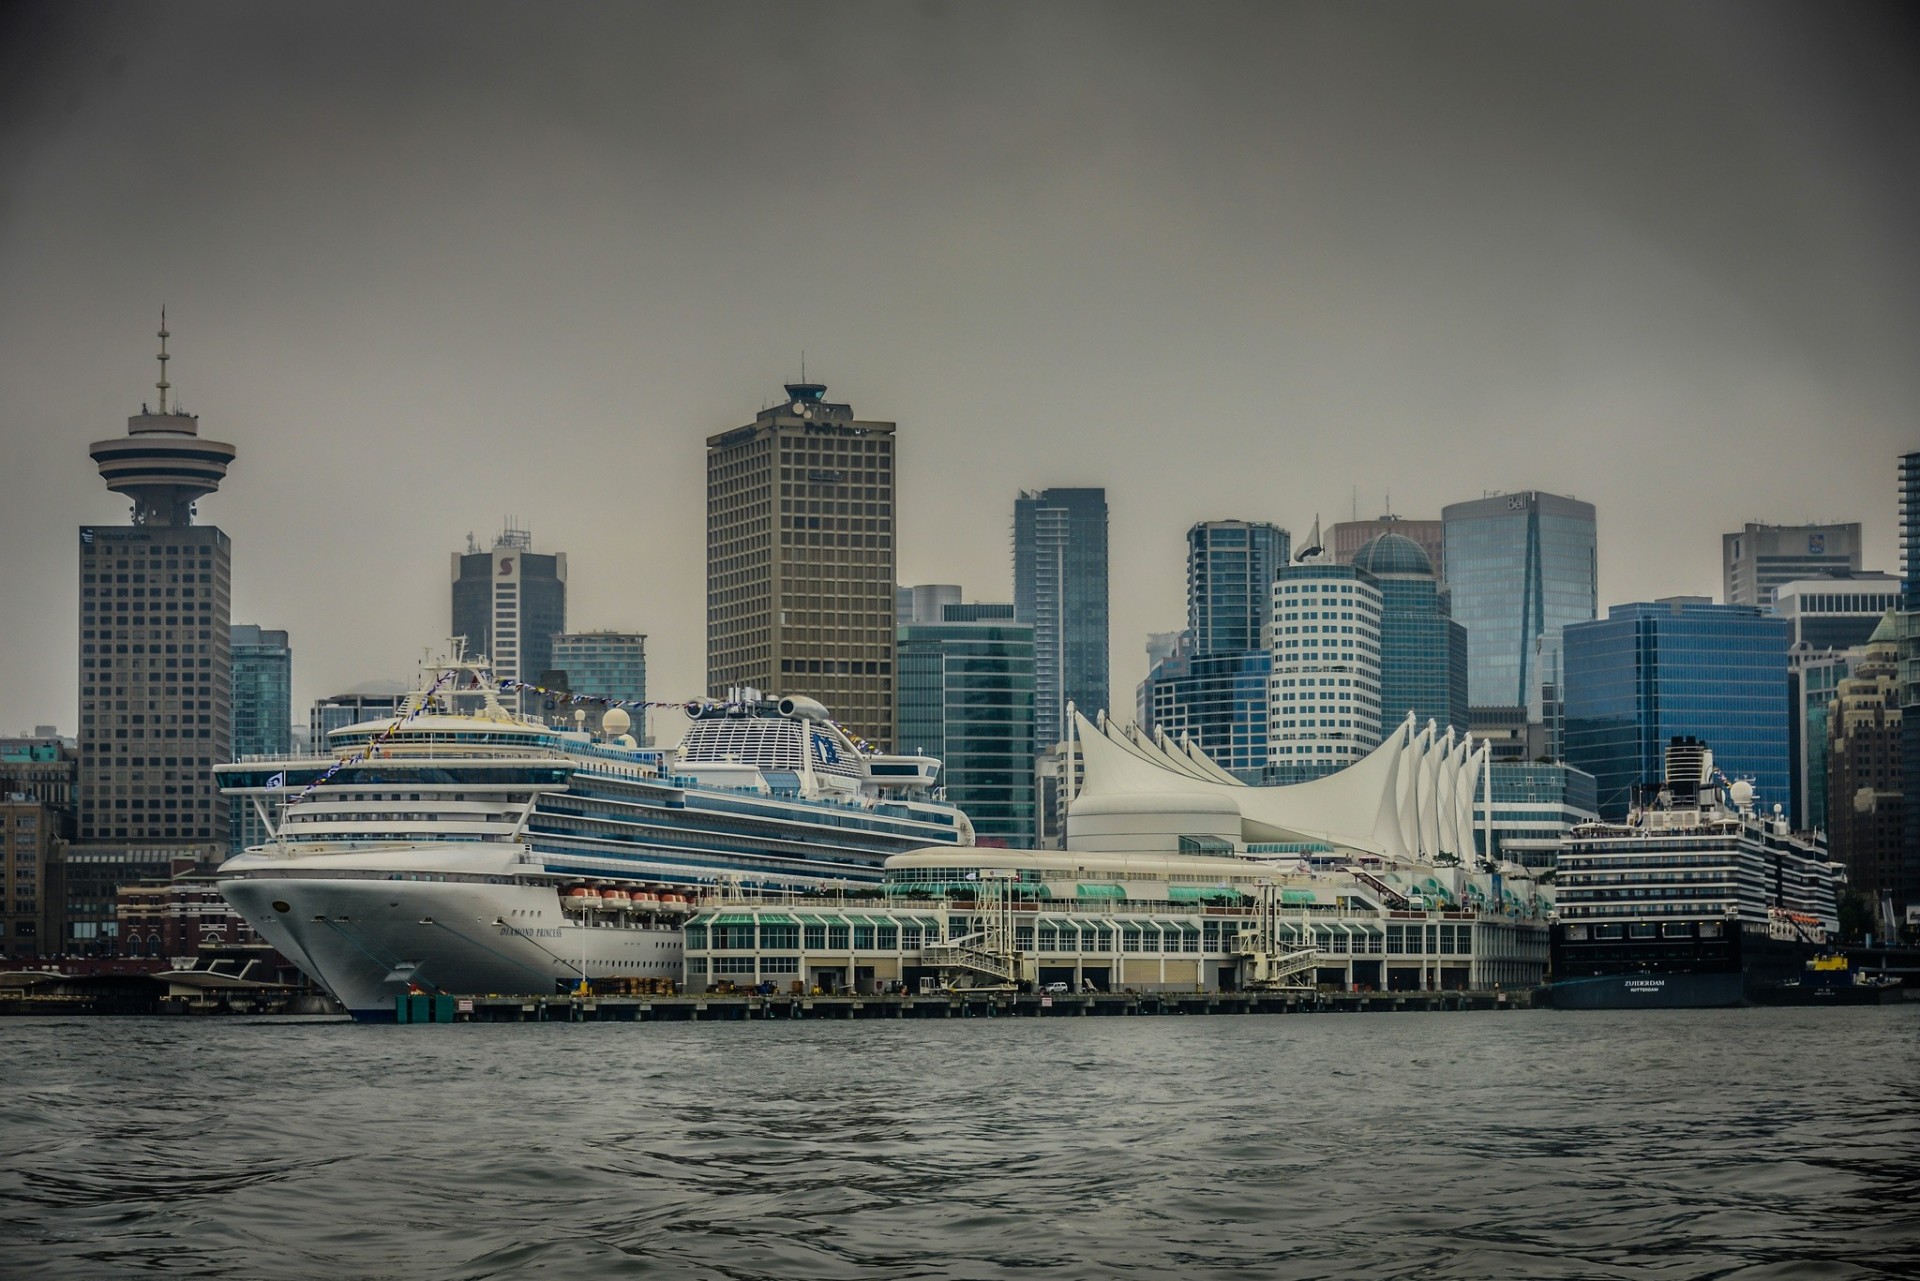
1653 671
1760 558
1231 566
1423 652
1060 586
1519 567
262 715
509 603
1865 806
966 696
605 664
801 595
156 678
1323 703
1349 536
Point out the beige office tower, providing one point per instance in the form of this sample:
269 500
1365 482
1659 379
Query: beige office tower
800 560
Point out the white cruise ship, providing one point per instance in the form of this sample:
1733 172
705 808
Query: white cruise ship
462 848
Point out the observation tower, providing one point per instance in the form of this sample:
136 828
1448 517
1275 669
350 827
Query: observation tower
163 463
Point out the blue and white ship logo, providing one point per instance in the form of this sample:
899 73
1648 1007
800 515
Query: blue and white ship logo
824 749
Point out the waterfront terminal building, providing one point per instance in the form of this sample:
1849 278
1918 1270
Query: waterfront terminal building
1176 877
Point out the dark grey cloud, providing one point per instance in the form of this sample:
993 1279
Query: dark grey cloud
430 264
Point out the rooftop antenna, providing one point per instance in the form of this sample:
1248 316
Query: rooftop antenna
803 364
163 384
1356 503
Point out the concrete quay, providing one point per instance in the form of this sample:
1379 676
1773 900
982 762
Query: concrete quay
943 1005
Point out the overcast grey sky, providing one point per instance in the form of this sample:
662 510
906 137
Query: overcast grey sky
427 265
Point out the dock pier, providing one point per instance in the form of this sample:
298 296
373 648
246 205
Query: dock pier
939 1005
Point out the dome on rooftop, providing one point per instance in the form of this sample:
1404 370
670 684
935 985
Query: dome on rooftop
1393 554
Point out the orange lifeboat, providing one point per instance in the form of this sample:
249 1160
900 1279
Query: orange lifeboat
614 900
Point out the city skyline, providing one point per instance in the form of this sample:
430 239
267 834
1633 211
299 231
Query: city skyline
400 369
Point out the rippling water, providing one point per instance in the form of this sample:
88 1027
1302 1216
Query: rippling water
1749 1144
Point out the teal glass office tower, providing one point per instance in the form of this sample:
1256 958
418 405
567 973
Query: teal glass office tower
1423 652
1652 671
965 695
262 714
604 664
1519 567
1060 587
1231 565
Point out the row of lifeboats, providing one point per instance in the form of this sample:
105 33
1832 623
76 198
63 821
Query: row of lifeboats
614 898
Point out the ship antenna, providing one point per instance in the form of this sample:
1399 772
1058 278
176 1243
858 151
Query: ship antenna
163 384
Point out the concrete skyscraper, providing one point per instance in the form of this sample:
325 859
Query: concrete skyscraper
156 676
1520 567
1761 557
509 603
1060 586
800 559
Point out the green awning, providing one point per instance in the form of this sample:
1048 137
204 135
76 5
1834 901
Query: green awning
1189 927
1088 890
777 918
816 920
733 918
929 923
1297 896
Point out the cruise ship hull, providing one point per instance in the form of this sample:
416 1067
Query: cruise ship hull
1735 967
1648 992
367 941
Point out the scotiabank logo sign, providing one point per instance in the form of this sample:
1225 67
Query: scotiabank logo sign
506 566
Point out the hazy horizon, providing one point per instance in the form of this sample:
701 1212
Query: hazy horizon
431 266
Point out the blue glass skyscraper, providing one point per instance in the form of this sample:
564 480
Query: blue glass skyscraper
1651 671
1230 570
1220 701
1519 567
1423 652
1060 587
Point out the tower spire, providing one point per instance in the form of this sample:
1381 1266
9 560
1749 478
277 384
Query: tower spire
163 384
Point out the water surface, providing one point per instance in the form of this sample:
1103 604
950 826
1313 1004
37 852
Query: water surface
1671 1144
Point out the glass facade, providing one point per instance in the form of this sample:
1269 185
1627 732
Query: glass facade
966 696
1220 702
605 665
1060 587
262 715
1813 678
1423 652
1519 567
1533 802
1230 570
1323 700
1651 671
